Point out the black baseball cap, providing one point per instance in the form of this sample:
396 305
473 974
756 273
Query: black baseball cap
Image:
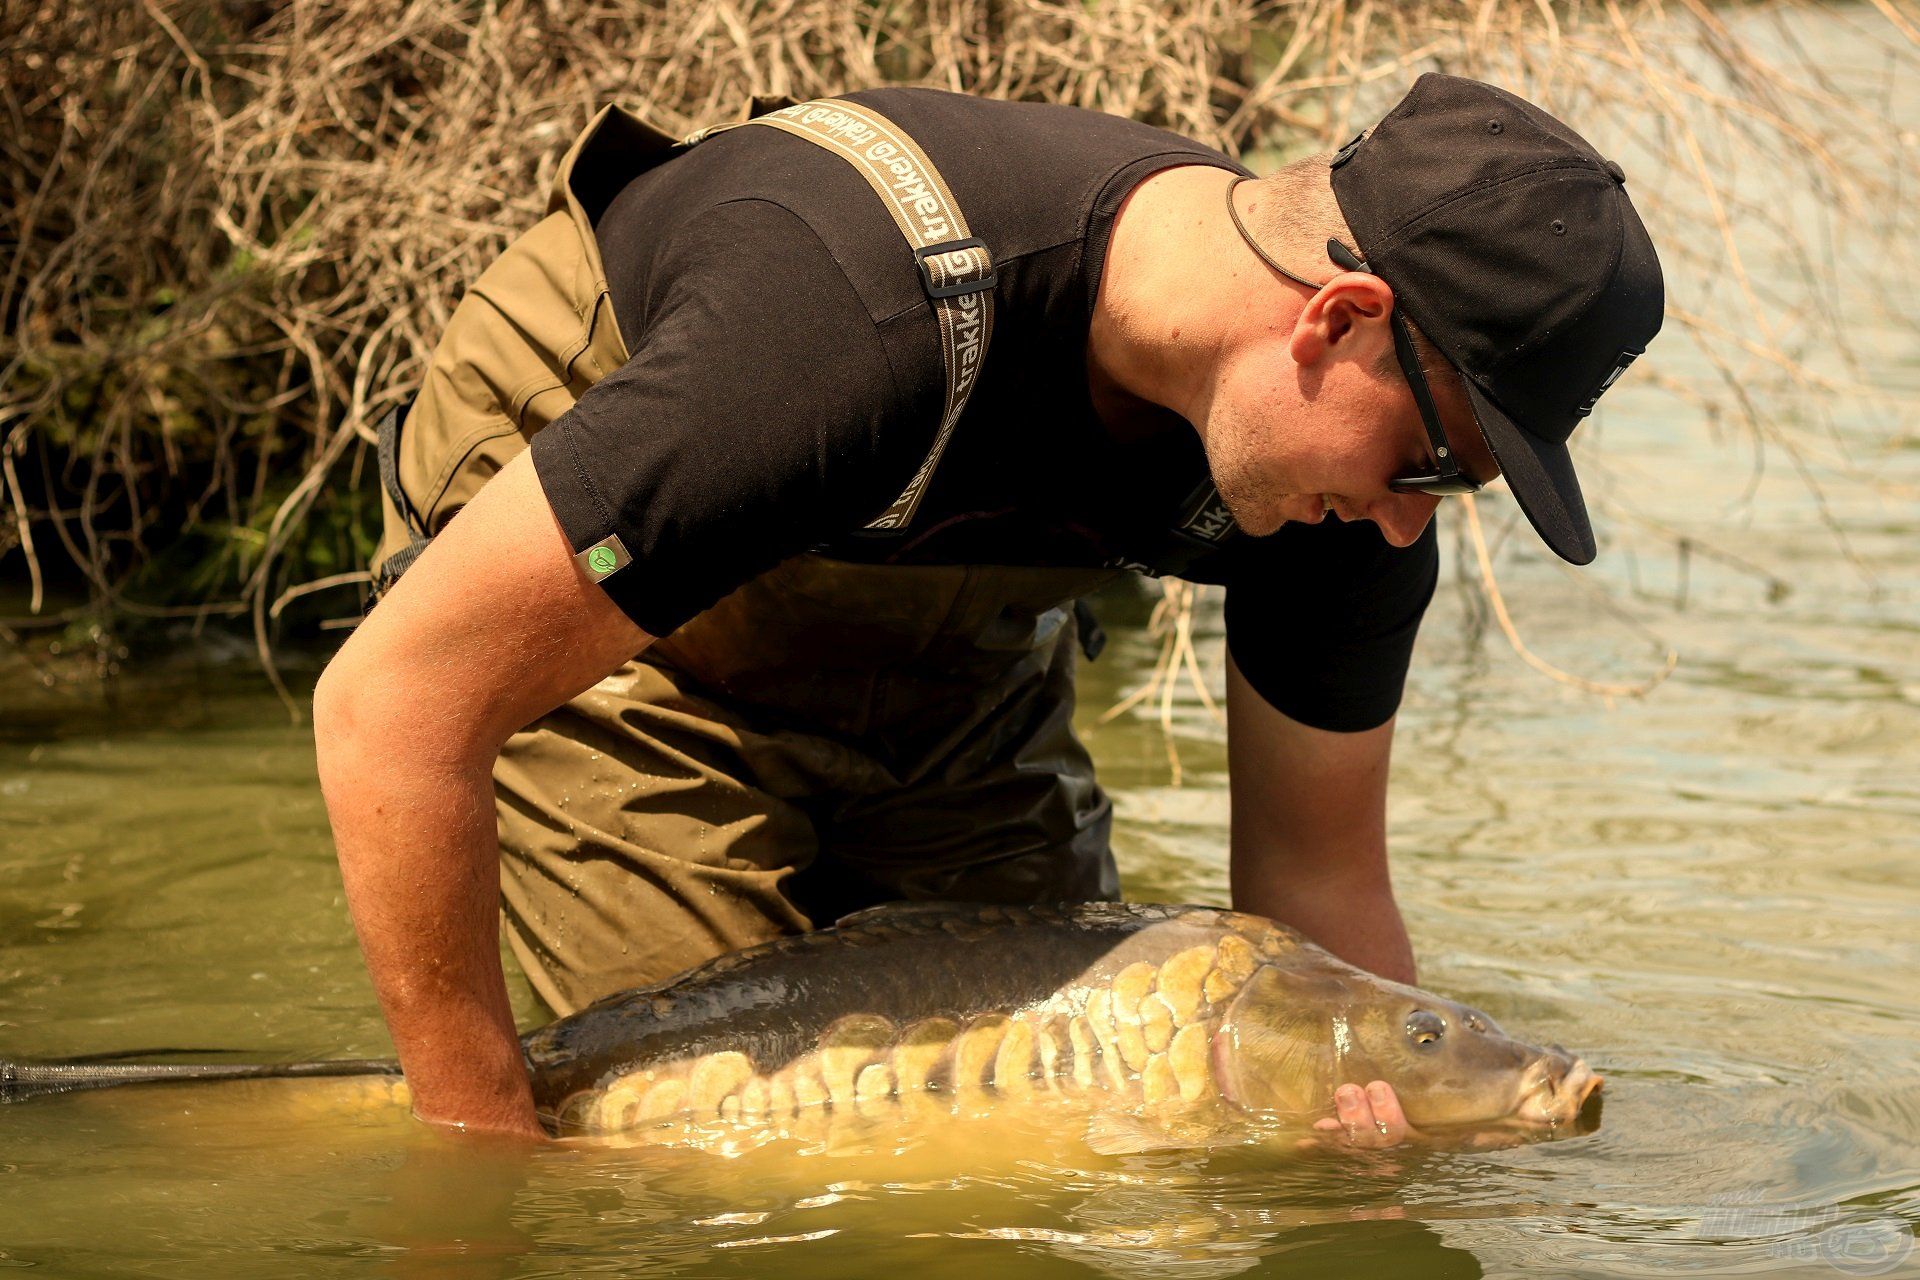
1512 244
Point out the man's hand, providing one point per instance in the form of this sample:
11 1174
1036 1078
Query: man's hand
1371 1119
1368 1118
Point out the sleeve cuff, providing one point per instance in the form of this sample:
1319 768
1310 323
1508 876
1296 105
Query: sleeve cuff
585 518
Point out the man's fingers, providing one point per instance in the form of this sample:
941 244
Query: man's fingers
1389 1120
1355 1114
1368 1119
1363 1119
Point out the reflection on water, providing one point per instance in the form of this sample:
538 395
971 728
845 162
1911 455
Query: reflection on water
1710 894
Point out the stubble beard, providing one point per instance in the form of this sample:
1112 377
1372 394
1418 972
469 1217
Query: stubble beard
1245 480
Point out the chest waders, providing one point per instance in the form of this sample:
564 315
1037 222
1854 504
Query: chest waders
830 735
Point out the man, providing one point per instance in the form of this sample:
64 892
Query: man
754 705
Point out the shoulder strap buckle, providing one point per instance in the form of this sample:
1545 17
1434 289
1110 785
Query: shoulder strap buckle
965 266
958 274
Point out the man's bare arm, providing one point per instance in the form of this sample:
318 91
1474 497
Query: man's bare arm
491 628
1310 831
1310 850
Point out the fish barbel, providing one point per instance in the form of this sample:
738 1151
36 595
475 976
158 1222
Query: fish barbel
1196 1019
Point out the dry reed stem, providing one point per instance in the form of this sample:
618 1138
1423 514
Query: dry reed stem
1605 690
1171 623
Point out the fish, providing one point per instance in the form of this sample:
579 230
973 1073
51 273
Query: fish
1155 1025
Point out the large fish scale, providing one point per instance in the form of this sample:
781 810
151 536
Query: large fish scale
954 1009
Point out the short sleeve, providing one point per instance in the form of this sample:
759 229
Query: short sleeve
757 415
1321 619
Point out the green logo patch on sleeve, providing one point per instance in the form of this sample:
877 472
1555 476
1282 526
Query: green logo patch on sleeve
604 558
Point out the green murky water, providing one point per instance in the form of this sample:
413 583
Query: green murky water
1711 893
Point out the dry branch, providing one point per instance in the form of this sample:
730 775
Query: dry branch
236 230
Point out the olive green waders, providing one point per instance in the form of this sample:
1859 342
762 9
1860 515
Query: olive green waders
829 736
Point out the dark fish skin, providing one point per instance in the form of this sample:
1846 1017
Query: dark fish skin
902 962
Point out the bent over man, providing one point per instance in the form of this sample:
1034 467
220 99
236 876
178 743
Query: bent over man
781 457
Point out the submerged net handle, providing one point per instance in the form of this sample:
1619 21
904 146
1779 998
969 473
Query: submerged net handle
24 1081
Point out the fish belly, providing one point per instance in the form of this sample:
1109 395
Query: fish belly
1132 1029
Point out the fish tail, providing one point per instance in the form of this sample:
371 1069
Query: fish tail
24 1081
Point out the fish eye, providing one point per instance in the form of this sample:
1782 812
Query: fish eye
1424 1029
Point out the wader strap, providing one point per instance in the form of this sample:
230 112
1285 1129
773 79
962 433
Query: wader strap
388 450
1205 522
1093 636
956 269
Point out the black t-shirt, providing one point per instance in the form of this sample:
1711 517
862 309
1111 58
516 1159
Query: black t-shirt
786 380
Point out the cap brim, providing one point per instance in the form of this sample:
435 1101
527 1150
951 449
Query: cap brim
1540 473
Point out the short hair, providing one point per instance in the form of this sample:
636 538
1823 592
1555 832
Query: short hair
1294 218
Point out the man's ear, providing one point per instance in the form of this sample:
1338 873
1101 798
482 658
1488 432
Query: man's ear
1347 319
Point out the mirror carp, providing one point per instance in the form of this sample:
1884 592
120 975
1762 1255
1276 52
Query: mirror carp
1193 1022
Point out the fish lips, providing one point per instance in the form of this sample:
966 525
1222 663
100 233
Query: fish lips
1557 1089
1558 1095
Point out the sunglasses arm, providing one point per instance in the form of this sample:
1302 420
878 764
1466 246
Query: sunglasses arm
1409 359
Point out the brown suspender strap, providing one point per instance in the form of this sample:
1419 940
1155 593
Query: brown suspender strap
955 269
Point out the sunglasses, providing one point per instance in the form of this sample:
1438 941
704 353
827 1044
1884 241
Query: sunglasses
1445 478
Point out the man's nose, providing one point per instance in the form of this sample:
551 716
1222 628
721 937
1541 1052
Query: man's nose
1402 517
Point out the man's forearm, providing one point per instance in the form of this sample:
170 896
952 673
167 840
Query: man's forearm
1355 917
1310 830
493 627
418 854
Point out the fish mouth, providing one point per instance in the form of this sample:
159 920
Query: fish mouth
1556 1089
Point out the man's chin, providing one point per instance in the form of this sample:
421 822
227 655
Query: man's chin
1260 523
1255 519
